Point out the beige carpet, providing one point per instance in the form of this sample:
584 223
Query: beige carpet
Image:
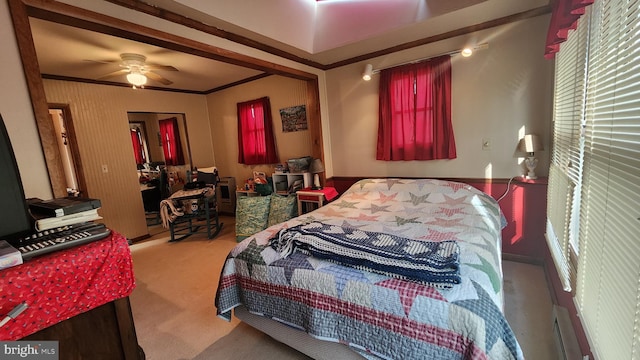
175 317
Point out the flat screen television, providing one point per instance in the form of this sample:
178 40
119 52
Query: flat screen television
15 219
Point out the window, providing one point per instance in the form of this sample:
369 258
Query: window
565 172
256 144
415 112
609 277
171 144
607 291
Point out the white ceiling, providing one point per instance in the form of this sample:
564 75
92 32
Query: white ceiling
329 31
325 32
317 26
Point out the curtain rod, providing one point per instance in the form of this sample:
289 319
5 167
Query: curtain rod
477 47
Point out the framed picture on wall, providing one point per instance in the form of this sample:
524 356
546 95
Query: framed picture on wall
294 118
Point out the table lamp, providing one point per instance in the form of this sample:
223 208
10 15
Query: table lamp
530 144
316 168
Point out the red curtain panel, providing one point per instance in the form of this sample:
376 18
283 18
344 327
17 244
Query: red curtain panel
256 141
171 144
137 148
415 112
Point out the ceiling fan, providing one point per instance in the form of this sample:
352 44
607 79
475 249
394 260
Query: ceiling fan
137 71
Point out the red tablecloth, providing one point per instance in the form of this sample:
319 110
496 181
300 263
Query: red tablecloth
63 284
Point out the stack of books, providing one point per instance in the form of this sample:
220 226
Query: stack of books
54 213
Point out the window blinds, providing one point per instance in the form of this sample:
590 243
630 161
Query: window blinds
608 294
559 199
563 196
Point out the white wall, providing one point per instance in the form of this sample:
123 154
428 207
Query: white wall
499 93
16 110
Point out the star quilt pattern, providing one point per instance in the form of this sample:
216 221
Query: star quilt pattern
377 315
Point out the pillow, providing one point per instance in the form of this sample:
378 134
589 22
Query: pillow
282 209
252 213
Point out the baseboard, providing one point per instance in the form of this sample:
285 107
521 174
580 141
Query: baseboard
139 238
523 259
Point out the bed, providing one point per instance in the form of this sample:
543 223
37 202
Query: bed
301 293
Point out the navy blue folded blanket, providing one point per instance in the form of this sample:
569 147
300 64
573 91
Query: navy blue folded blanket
428 262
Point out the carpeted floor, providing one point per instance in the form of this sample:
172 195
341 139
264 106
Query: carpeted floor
175 318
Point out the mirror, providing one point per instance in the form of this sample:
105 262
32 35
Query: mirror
160 140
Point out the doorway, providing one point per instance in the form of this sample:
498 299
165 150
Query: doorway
71 181
163 159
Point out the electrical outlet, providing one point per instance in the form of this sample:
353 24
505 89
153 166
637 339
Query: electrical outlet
486 144
105 169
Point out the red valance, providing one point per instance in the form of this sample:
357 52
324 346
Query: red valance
564 17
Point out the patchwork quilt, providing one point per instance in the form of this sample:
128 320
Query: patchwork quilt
380 315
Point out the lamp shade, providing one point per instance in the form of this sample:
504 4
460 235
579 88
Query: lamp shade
316 166
530 143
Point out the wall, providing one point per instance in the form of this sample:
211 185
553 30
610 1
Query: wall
499 93
283 93
100 119
17 113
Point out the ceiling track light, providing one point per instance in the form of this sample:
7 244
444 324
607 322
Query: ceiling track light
368 71
466 52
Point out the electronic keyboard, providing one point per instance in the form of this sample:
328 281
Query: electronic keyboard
60 238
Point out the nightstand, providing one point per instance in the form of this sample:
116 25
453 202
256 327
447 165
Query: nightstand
308 198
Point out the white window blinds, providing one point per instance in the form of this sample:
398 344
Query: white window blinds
563 195
608 293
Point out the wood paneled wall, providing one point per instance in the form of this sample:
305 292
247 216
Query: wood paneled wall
99 115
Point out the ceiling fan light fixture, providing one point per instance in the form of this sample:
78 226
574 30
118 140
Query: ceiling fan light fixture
136 78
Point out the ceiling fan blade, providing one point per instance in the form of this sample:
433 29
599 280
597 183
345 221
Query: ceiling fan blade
158 78
113 74
160 67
